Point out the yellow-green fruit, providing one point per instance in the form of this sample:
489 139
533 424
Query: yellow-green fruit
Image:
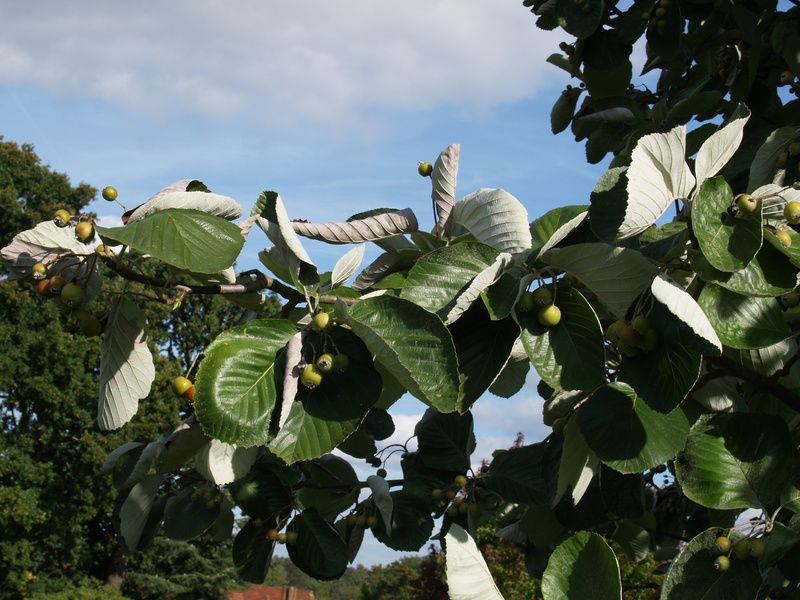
62 217
361 520
39 271
794 148
613 331
311 376
425 169
628 336
341 362
57 283
660 12
460 481
452 512
741 549
104 250
73 295
784 238
351 520
437 494
325 363
84 231
291 537
645 16
91 326
550 316
282 538
463 508
525 302
180 385
372 522
641 324
782 159
110 193
746 203
322 321
542 297
757 547
721 563
723 544
792 212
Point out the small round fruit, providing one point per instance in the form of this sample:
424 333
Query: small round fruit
424 169
450 494
57 284
463 508
272 534
558 425
641 324
645 16
325 363
39 271
341 362
784 238
189 394
381 473
351 520
372 522
437 494
109 193
361 520
258 522
84 231
104 250
721 563
322 321
460 481
723 544
741 549
792 212
375 461
794 148
291 537
782 159
452 512
550 316
542 297
757 547
73 295
628 336
62 217
525 303
281 538
311 376
787 77
746 203
43 288
91 326
180 385
613 331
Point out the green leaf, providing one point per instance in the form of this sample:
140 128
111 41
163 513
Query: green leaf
223 463
609 200
468 576
188 516
347 265
438 278
514 374
570 355
252 551
413 344
615 275
332 486
235 386
319 551
381 496
518 475
626 434
411 524
126 366
692 575
664 376
261 493
555 225
633 540
736 461
496 218
134 514
186 239
563 110
575 21
483 347
792 251
743 322
728 242
500 297
769 274
582 568
445 441
578 464
763 167
718 149
320 418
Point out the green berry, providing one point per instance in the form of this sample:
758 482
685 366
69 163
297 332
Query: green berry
782 159
452 512
525 303
325 363
721 563
792 212
437 494
746 203
424 169
460 481
84 231
351 520
381 473
73 295
550 316
311 376
784 238
282 538
723 544
757 548
341 362
291 537
542 297
613 331
110 193
180 385
62 217
39 271
794 148
322 321
741 549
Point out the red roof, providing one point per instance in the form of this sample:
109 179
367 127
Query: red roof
268 592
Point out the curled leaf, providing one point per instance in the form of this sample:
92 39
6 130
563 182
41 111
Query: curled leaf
443 178
372 228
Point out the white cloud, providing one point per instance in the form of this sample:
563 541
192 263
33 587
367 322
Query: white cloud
278 63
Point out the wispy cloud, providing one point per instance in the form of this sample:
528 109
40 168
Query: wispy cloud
279 64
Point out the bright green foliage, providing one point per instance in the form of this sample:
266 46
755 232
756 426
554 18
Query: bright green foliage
686 413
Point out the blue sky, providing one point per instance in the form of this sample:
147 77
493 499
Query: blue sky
332 105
